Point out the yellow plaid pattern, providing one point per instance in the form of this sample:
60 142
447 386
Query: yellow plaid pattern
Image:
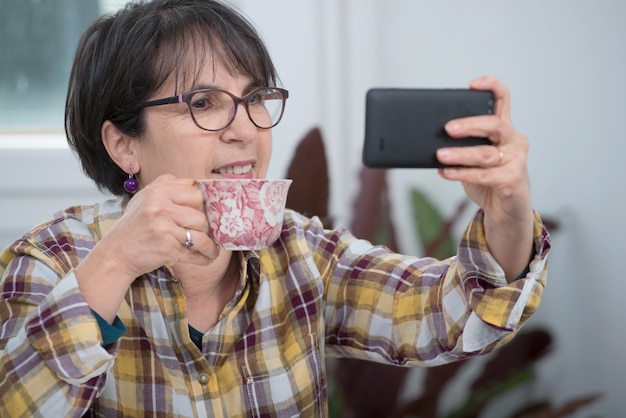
314 293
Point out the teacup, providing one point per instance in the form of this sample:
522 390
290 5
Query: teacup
244 214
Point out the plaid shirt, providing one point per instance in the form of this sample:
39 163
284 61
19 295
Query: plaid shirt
314 293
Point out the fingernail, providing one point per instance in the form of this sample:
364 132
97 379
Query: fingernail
478 80
453 126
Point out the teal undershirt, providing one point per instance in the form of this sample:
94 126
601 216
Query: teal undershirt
524 273
110 332
196 336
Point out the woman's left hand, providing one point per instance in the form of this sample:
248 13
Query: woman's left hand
494 176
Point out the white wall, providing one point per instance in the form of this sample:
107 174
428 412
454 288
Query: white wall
36 180
565 64
564 61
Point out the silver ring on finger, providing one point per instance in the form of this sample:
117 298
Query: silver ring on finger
501 156
189 242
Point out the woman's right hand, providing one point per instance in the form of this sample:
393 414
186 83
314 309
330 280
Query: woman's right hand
151 233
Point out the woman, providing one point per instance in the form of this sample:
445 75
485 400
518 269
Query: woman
128 308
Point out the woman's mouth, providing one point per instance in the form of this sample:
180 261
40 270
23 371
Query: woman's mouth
235 169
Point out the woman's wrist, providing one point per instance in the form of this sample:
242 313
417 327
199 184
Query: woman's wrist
510 242
102 283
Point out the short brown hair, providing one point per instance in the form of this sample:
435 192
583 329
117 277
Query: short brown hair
123 59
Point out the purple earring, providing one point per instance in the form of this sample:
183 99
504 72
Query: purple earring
131 184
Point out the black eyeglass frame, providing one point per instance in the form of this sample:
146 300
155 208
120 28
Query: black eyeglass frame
186 98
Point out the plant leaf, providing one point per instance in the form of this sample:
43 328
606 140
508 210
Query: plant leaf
478 399
372 209
309 171
431 227
543 409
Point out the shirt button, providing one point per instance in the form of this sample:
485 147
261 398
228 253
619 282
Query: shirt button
203 378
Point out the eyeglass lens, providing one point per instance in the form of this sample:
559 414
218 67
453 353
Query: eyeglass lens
215 109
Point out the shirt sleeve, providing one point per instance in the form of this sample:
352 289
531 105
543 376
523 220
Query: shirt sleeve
51 351
405 311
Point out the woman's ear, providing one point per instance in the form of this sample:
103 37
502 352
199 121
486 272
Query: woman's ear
120 147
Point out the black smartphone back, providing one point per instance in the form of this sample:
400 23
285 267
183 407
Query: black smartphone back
405 127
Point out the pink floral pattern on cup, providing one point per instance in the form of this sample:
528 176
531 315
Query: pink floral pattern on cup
244 214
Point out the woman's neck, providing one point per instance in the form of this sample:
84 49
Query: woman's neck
209 288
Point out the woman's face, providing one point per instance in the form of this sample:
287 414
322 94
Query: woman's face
174 144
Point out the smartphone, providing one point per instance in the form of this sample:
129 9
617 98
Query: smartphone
405 127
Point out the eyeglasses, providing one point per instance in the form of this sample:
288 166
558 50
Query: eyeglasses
214 109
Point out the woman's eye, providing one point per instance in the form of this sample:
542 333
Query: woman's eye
203 101
200 104
257 98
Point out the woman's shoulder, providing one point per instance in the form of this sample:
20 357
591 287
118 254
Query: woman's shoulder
67 236
313 230
77 219
74 230
296 222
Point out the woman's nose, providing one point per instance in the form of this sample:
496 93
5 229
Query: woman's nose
241 128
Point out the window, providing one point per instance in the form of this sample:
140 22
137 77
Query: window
37 43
